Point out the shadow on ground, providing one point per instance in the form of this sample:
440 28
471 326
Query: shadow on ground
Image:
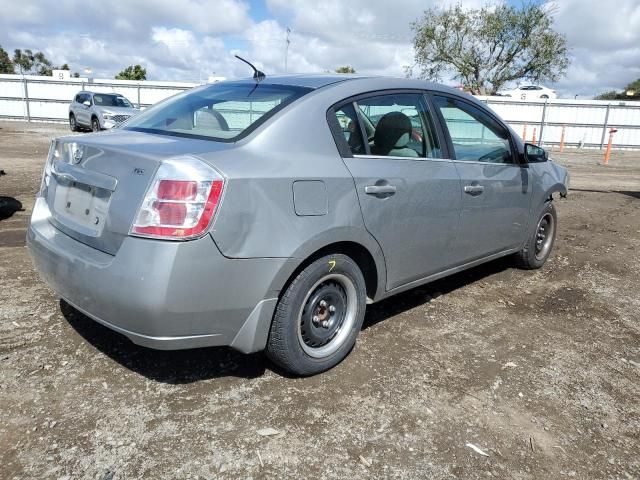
629 193
187 366
398 304
9 206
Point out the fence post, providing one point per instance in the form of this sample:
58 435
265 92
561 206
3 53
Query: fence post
607 154
533 140
26 99
138 95
544 114
604 127
562 139
524 133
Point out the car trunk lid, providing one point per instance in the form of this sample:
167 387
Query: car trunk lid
99 181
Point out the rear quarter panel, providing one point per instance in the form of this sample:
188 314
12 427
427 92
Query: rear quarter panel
257 216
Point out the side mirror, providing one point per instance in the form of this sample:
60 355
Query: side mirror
535 154
86 103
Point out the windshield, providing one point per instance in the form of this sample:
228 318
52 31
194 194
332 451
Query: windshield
107 100
223 112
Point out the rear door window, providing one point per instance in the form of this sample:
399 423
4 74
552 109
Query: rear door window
475 135
350 128
399 125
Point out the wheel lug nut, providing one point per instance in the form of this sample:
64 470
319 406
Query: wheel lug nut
316 319
325 324
323 303
332 308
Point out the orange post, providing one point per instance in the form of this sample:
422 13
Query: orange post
533 139
607 154
524 133
562 139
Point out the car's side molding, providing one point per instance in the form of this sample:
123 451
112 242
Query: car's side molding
446 273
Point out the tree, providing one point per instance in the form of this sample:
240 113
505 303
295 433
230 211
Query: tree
29 62
345 69
132 72
488 47
6 65
65 66
630 92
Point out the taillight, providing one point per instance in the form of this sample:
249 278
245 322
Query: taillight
181 202
53 155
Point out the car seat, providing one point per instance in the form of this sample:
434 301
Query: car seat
392 136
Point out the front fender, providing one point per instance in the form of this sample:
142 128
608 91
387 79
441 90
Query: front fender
550 178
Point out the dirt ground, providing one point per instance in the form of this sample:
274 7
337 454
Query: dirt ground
538 369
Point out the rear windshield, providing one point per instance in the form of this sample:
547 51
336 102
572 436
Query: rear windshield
106 100
222 112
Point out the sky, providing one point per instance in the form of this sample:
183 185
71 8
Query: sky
189 40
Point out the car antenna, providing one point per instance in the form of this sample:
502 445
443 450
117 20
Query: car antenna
257 74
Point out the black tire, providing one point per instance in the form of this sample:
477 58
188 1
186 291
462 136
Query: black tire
307 337
540 242
545 96
95 124
72 123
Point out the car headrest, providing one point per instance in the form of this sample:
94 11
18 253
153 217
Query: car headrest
393 131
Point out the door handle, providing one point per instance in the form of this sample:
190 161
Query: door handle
380 189
473 189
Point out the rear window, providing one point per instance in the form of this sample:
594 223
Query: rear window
216 112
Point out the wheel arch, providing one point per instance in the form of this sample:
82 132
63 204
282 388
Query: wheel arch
367 255
556 189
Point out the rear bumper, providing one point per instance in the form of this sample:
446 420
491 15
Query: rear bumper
160 294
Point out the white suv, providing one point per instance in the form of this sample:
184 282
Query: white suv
99 111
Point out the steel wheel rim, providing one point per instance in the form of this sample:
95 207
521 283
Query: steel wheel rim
330 287
72 121
96 126
544 235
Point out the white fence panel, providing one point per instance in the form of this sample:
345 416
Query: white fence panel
586 122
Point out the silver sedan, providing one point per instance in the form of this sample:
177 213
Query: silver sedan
266 214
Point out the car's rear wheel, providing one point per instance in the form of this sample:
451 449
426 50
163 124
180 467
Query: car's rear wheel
318 316
72 123
539 245
545 96
95 124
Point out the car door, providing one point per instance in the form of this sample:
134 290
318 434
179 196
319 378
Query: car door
80 109
409 195
496 190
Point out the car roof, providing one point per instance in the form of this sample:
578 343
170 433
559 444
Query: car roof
366 82
302 80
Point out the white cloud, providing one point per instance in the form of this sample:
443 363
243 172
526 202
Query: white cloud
191 39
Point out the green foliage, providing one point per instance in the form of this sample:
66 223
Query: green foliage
611 95
345 69
31 63
6 65
633 88
64 66
488 47
132 72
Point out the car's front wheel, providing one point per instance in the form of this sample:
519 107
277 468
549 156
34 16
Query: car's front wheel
540 243
318 317
72 123
95 125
